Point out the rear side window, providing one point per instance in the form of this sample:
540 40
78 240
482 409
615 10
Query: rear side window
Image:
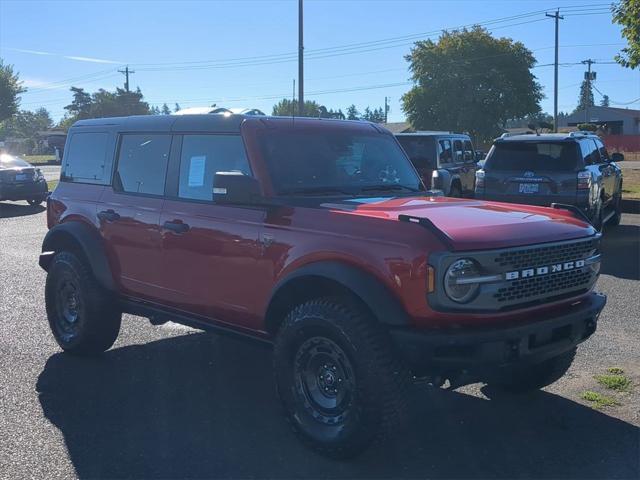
142 164
469 154
85 158
589 152
421 150
533 156
444 149
204 155
603 150
457 150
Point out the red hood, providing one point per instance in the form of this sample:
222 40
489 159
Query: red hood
474 224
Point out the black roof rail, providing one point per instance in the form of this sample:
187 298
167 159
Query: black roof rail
425 222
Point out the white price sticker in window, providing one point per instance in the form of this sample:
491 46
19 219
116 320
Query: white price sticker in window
196 171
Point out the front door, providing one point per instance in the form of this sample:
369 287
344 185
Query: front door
129 213
210 252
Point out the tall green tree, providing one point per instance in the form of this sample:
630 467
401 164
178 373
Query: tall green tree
605 102
585 99
352 113
287 108
470 81
376 115
165 109
626 13
10 90
104 104
27 126
177 107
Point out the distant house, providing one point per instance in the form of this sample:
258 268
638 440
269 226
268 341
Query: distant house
398 127
613 121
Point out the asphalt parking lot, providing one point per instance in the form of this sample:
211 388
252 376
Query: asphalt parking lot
171 402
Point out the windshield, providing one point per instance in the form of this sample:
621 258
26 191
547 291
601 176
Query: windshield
9 161
543 156
336 163
421 150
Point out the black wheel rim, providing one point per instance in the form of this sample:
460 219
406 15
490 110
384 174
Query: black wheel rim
68 304
324 380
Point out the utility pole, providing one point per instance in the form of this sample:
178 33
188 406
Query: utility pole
588 76
126 73
300 61
557 18
386 109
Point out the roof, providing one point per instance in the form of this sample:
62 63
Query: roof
545 137
431 133
218 110
398 127
221 123
603 113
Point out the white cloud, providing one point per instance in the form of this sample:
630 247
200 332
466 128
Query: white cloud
68 57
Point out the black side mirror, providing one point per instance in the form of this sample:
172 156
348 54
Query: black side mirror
235 188
617 157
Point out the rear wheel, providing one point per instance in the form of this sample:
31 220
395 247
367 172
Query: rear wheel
535 377
339 382
598 216
82 315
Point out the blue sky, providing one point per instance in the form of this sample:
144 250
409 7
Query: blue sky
197 53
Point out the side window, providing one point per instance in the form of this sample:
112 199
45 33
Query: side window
457 150
444 148
604 155
469 154
204 155
85 158
587 147
595 153
142 164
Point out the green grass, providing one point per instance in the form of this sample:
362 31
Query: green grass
615 370
619 383
39 159
52 184
599 400
631 183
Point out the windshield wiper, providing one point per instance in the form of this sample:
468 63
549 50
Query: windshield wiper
315 191
388 187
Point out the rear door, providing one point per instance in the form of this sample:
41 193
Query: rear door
607 170
210 252
532 172
129 213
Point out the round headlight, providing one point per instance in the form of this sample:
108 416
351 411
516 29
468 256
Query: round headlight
455 286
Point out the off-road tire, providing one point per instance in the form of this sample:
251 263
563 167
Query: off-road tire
535 377
455 191
598 217
83 317
379 382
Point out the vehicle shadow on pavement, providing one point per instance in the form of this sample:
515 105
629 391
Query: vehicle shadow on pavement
9 210
204 406
621 251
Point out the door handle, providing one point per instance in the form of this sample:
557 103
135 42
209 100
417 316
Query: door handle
108 216
176 227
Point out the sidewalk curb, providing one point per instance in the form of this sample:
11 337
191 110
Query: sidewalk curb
630 205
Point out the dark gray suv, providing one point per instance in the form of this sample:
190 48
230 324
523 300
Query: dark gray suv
571 169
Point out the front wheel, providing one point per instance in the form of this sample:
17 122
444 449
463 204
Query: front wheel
82 315
535 377
337 378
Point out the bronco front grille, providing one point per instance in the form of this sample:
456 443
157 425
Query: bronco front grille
524 289
532 257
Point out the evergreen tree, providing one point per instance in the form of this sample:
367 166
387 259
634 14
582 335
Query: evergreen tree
605 101
166 110
586 96
352 113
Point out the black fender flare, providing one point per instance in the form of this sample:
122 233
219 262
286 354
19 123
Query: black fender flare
371 291
84 239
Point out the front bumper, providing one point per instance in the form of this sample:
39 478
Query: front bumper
483 352
23 191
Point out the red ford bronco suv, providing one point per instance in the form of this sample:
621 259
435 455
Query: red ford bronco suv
315 235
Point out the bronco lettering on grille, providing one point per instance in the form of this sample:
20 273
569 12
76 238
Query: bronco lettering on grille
545 270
